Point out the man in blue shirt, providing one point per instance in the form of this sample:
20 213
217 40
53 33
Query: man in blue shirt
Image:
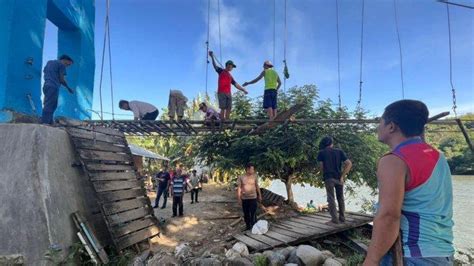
163 178
54 73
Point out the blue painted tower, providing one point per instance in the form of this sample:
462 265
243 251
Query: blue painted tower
22 27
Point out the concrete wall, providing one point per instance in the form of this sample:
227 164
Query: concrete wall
22 24
39 189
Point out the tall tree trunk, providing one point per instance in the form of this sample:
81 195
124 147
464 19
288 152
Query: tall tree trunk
289 190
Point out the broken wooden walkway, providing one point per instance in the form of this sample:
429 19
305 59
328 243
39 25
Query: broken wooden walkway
302 228
107 160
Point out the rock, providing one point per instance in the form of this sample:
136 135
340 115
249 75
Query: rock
327 254
341 260
309 255
291 264
163 259
241 248
232 253
137 261
293 258
332 262
276 259
183 252
237 262
204 262
145 254
267 253
15 259
285 251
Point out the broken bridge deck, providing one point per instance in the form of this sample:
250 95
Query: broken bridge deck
301 228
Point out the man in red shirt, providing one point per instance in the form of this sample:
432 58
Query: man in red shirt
224 92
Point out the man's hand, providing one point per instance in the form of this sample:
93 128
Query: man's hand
245 91
245 84
211 53
239 201
260 199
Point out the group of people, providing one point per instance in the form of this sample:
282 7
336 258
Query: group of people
176 183
415 208
55 72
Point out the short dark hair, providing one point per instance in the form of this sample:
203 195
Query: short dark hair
248 165
122 102
409 115
325 142
66 57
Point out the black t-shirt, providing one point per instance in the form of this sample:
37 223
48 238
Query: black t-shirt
166 178
332 162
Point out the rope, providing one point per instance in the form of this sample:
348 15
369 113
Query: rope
453 90
284 52
361 55
338 57
274 29
207 42
400 47
102 65
110 60
219 22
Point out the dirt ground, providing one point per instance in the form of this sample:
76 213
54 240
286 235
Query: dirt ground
205 225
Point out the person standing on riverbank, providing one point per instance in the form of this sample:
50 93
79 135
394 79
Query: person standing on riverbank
194 179
163 178
248 195
177 185
415 192
330 163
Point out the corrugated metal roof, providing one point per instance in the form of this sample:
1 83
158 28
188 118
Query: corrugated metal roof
139 151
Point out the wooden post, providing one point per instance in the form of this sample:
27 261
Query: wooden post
466 136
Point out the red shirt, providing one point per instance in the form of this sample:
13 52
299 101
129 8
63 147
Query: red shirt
225 80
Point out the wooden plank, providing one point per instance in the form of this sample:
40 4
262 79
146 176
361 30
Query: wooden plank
361 214
252 243
128 215
84 134
284 238
101 186
132 227
313 223
265 239
99 146
125 205
349 218
110 176
302 228
109 167
284 230
138 236
103 130
120 194
104 156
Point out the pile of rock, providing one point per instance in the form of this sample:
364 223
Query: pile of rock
239 255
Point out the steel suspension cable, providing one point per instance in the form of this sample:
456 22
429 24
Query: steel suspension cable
103 58
453 90
110 61
361 55
284 49
219 22
338 57
274 29
399 47
207 43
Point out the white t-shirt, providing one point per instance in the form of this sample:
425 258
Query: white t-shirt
140 109
212 114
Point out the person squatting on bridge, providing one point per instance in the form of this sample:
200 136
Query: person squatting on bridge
141 110
330 161
272 84
211 115
224 91
179 181
54 73
415 193
176 104
163 180
248 195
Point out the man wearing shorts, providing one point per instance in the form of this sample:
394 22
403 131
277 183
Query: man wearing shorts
272 84
224 92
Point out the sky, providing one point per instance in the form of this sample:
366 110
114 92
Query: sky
158 45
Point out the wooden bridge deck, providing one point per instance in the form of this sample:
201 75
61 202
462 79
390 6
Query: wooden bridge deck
299 229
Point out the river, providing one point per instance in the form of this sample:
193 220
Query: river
463 190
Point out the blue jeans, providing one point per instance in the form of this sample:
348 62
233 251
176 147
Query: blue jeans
428 261
50 103
161 191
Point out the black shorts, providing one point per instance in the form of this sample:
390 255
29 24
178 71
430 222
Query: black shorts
270 99
225 100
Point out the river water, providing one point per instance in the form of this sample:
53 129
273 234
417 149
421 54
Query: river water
463 190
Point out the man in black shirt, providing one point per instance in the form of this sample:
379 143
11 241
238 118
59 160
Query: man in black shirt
163 179
331 161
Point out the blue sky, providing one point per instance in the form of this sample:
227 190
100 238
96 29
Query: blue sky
158 45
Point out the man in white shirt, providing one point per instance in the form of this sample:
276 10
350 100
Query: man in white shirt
211 114
141 110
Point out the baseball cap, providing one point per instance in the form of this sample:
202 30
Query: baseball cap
268 63
230 62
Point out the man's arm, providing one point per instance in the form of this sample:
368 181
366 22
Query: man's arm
321 167
64 83
255 80
346 169
211 54
259 193
239 191
279 83
237 85
391 173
